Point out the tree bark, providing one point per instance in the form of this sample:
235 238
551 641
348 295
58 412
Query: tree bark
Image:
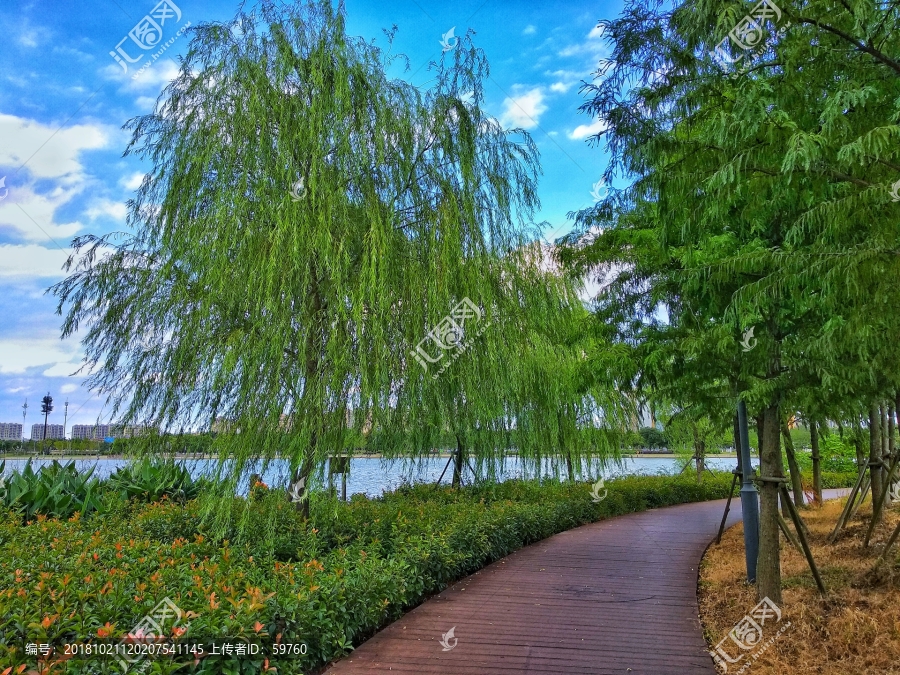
875 473
699 452
860 452
885 456
458 462
816 462
796 482
737 444
768 569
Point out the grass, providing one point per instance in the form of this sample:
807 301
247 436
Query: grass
855 629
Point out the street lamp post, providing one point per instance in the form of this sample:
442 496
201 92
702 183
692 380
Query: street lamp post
46 408
65 420
749 497
24 410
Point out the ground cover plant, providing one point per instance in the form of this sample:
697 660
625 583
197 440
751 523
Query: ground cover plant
329 582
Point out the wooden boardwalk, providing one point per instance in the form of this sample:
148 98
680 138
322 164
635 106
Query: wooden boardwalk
614 597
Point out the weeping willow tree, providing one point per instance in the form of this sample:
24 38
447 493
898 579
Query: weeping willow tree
306 222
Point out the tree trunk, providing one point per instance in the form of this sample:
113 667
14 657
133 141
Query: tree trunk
875 473
885 456
860 452
699 451
816 462
570 469
768 569
796 482
458 462
312 350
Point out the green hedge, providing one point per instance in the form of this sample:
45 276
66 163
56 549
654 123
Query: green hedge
331 583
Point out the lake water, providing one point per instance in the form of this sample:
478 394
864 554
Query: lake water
372 476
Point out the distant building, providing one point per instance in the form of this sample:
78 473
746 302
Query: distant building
90 432
10 431
54 432
97 432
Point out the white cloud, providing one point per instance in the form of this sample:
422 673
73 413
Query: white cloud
57 148
594 46
18 355
106 207
28 38
32 214
585 130
156 76
529 30
65 369
523 111
31 261
561 87
68 388
132 182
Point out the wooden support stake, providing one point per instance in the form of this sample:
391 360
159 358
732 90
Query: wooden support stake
877 508
787 533
888 546
727 508
864 493
443 472
846 511
798 525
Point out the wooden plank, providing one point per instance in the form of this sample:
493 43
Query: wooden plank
617 596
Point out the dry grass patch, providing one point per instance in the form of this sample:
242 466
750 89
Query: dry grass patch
855 630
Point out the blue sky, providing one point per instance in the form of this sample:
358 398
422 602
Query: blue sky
64 99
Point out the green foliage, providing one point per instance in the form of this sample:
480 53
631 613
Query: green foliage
55 490
59 490
329 583
652 438
148 480
836 456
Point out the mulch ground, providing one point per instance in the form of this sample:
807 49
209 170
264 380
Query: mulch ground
854 630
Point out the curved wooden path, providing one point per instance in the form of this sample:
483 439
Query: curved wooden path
614 597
